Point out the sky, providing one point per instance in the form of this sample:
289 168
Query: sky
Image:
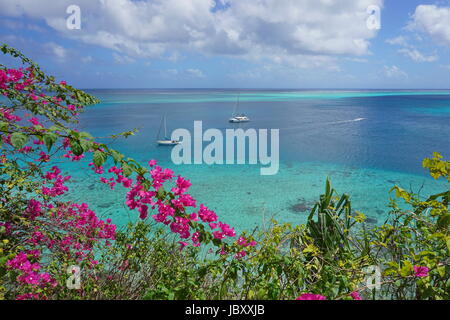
235 43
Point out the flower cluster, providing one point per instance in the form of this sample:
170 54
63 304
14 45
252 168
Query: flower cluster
23 79
18 79
420 271
311 296
70 229
57 181
244 243
29 272
171 211
69 155
8 115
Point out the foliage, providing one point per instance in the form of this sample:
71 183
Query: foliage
41 235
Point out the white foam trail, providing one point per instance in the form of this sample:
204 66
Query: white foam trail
346 121
335 122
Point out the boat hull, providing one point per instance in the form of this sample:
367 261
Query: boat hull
232 120
168 143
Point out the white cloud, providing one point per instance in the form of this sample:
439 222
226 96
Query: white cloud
400 41
417 56
195 73
172 72
394 72
410 51
303 33
87 59
434 21
58 51
122 59
358 60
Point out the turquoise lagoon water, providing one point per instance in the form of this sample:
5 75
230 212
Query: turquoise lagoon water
364 141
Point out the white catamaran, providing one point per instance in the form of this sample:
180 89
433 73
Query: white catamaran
238 118
165 141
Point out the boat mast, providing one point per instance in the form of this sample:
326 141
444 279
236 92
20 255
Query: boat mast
236 107
159 131
165 128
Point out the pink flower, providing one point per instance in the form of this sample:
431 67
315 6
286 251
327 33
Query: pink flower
27 296
245 243
35 121
34 209
218 235
355 295
127 182
97 170
15 75
43 157
38 142
182 186
421 271
143 212
207 215
311 296
241 254
183 244
253 243
227 230
25 150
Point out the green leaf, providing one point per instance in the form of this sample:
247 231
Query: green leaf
127 171
19 140
4 125
86 135
118 157
161 193
76 147
441 271
407 269
86 145
99 158
49 140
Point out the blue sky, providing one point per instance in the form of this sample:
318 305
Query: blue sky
234 43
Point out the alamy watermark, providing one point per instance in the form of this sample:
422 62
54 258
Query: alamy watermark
373 22
73 22
373 277
231 149
74 280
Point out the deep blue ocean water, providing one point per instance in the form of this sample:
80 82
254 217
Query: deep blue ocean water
364 141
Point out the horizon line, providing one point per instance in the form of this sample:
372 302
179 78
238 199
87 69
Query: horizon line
303 89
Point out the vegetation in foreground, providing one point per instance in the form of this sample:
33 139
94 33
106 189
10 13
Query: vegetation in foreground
55 249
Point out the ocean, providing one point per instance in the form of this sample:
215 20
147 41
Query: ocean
364 141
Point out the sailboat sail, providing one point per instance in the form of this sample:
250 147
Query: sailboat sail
158 136
165 141
238 118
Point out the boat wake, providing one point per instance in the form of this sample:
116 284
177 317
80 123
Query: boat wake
347 121
325 123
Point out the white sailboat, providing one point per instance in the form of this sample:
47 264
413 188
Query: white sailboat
238 118
165 141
